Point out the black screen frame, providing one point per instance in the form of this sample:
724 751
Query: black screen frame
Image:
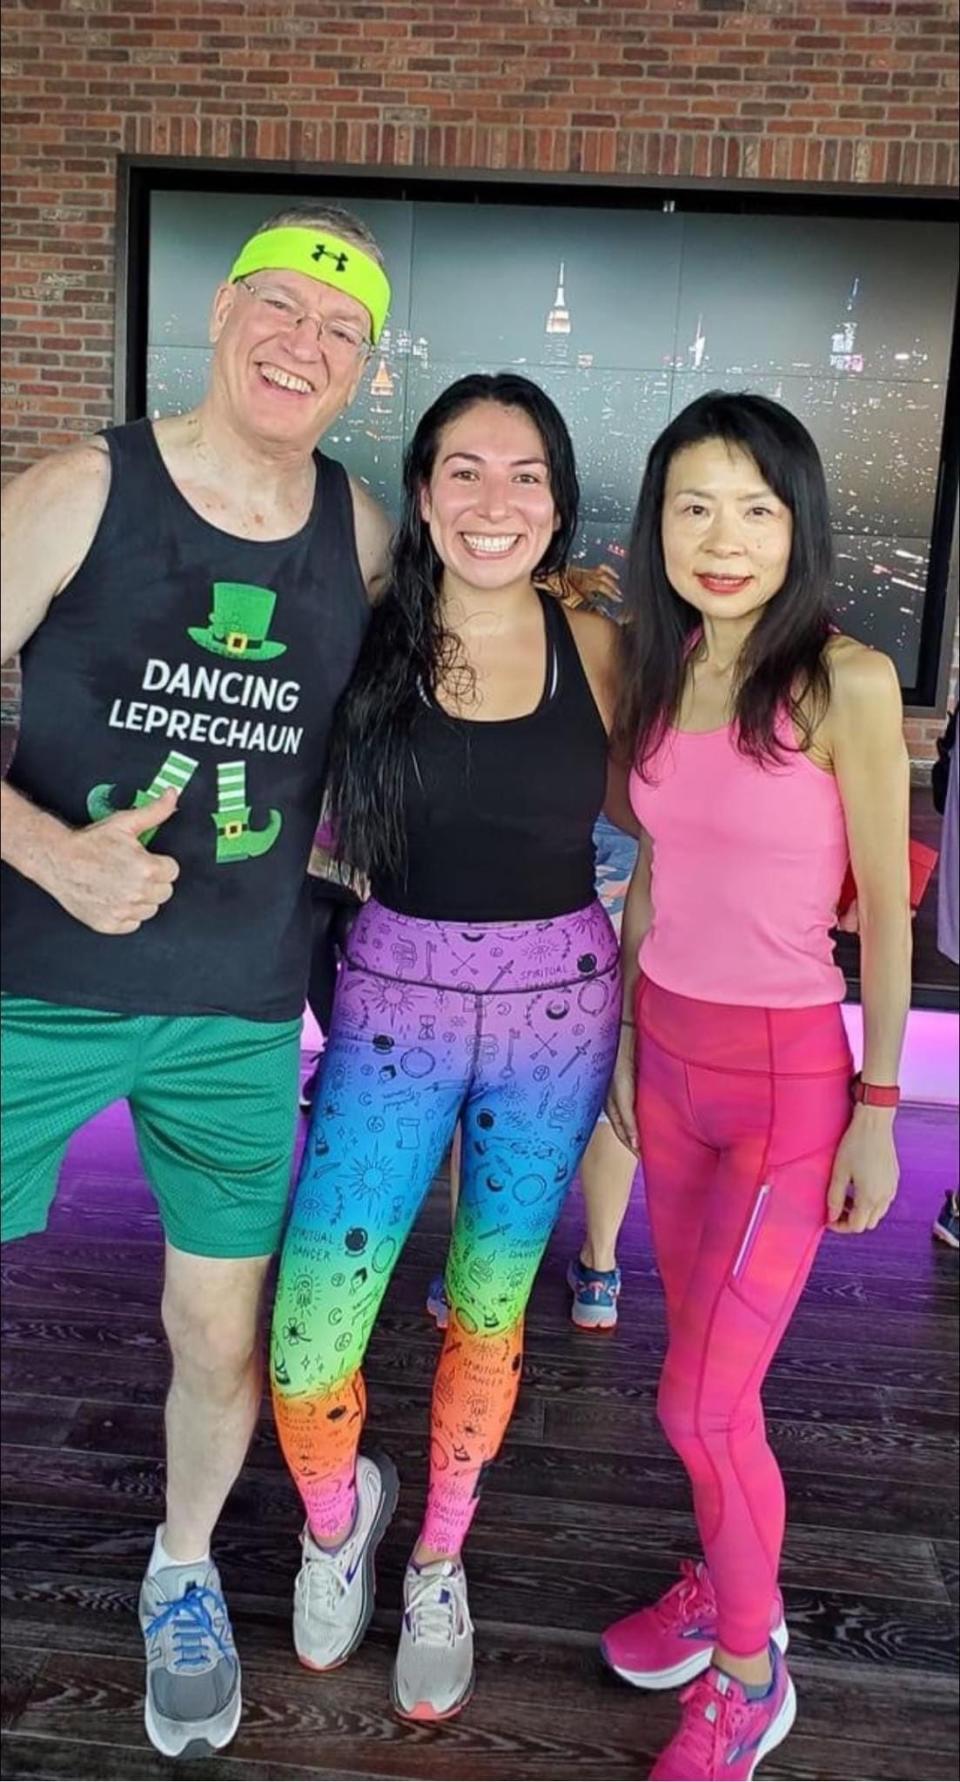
140 176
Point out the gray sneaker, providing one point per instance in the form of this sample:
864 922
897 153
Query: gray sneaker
333 1594
433 1674
193 1672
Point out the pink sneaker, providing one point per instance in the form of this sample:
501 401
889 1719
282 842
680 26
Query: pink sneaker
672 1641
723 1733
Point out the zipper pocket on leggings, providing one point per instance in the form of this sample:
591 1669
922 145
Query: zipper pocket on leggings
752 1232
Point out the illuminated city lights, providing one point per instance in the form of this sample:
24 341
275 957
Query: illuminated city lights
846 326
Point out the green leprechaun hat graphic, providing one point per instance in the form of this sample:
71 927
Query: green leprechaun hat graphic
239 623
235 838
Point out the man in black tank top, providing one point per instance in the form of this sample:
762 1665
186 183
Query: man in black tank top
188 600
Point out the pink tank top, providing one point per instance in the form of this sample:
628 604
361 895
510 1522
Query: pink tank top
748 862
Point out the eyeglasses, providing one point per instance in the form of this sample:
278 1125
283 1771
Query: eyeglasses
340 338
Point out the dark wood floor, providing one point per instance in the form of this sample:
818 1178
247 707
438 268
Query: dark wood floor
585 1514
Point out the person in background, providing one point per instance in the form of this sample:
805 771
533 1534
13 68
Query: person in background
946 798
609 1169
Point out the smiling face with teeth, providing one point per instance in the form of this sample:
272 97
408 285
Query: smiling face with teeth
488 504
284 386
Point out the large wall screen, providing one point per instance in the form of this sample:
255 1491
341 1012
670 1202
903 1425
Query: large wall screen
624 315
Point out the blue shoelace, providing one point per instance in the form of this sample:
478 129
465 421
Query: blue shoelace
192 1626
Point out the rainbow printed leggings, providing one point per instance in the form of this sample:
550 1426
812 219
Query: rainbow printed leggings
513 1028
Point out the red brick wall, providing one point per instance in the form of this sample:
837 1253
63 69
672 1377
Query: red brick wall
834 90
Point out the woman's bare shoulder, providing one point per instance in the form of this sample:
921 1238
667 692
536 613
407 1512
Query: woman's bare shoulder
859 673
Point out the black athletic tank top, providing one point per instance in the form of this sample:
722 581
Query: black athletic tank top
499 816
181 655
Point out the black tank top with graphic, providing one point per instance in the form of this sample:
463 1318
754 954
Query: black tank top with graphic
499 816
182 656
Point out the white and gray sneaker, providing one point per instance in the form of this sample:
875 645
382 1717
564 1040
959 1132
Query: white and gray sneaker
193 1673
433 1673
333 1594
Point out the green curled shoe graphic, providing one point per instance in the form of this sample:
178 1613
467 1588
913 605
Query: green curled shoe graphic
235 838
175 773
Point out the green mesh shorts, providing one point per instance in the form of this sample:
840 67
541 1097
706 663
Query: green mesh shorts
213 1100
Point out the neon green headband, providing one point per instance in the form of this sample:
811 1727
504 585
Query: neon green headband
321 256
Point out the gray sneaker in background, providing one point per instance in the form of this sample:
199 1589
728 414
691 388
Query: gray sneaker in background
193 1672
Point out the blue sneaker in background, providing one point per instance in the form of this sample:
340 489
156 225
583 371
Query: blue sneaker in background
438 1304
595 1294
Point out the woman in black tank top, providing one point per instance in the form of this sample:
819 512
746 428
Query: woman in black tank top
474 698
481 985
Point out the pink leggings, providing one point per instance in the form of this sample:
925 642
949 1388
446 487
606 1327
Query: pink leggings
740 1112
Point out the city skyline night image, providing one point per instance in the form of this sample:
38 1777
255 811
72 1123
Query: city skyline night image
624 317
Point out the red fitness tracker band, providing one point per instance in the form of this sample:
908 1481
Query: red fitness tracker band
875 1095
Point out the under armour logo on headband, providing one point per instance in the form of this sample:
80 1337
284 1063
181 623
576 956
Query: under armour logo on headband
341 260
328 256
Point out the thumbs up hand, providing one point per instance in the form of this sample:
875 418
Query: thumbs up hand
104 876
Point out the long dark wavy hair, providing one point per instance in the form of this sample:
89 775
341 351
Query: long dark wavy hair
407 650
782 665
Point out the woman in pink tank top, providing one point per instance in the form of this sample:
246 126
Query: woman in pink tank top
767 753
